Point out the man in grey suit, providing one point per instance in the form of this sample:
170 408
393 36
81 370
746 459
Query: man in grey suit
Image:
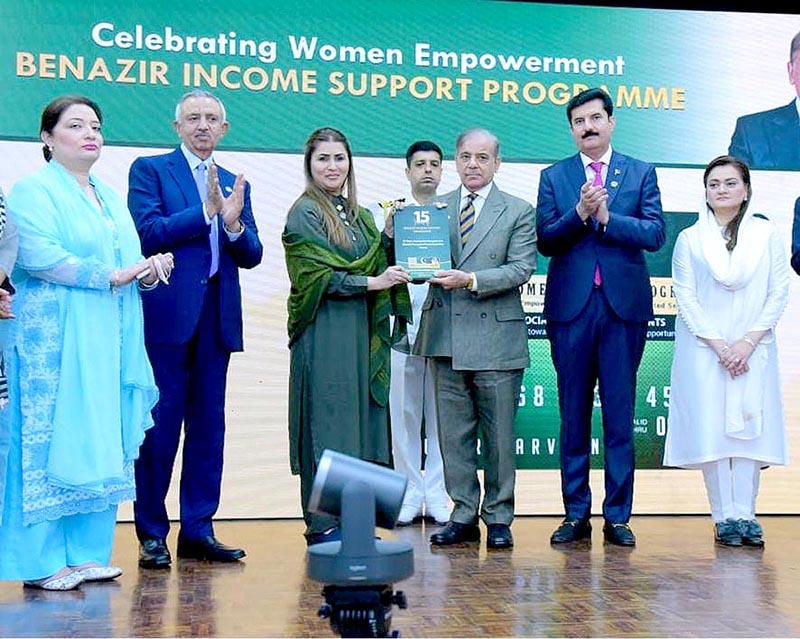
473 327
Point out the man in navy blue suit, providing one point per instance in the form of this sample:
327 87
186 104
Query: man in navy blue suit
771 139
597 212
185 203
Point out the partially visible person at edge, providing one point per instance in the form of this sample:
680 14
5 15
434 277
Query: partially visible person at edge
342 294
9 243
80 383
412 396
771 139
795 259
731 281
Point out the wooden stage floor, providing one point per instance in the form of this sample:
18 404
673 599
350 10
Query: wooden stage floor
675 583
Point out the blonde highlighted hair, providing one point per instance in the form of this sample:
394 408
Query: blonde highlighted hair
334 225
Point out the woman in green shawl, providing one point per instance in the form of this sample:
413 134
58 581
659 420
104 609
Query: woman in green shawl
339 306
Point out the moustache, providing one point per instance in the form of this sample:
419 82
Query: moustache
589 134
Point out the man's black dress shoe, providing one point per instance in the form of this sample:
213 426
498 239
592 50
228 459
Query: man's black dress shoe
455 533
209 549
499 536
572 530
153 553
619 534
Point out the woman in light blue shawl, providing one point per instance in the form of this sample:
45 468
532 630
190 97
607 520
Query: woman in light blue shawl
80 383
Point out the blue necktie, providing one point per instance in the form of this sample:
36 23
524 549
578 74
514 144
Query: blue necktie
200 179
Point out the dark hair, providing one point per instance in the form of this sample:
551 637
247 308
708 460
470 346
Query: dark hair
732 229
334 226
588 95
52 114
421 146
794 47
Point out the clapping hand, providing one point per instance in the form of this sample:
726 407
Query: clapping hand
229 207
592 198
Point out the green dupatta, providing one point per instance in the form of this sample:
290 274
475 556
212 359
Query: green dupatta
311 266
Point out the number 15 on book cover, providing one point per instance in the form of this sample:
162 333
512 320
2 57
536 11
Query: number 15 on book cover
422 240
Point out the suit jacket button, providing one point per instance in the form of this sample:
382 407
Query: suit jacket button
492 256
204 281
483 315
439 303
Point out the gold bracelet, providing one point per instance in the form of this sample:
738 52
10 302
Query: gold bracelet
747 339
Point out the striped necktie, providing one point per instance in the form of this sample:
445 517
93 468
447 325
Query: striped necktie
466 221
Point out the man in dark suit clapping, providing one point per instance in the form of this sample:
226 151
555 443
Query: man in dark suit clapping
597 212
185 203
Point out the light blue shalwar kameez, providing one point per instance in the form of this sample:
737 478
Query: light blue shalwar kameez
80 383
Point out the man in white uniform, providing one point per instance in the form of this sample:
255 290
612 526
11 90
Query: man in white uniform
411 394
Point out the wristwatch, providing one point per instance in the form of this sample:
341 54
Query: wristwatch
471 283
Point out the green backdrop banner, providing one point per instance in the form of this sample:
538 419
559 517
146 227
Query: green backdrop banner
386 70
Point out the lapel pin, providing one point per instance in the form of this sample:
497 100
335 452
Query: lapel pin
228 189
617 171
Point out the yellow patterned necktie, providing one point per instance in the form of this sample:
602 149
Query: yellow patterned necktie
466 221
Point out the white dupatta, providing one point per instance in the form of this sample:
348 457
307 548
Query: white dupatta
744 394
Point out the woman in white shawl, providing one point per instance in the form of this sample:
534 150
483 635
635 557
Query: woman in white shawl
731 279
